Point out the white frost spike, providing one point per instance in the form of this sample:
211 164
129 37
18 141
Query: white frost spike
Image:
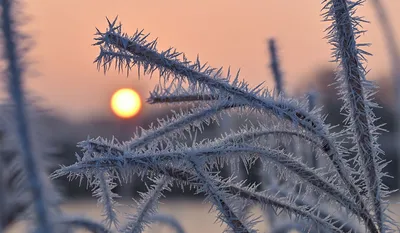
103 186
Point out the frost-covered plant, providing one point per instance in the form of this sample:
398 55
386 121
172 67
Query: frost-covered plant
346 190
330 198
29 183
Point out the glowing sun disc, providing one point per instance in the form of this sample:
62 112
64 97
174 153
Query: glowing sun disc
126 103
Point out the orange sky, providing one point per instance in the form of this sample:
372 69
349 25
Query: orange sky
222 32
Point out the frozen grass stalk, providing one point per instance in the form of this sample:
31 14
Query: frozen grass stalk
103 186
312 103
147 206
15 87
275 66
270 178
355 95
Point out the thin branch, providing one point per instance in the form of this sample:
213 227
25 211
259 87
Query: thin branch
15 82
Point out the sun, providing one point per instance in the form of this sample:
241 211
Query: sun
126 103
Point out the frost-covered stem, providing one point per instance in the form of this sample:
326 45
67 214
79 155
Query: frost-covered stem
359 111
311 155
147 206
312 100
180 98
271 178
275 67
17 95
394 53
248 136
106 197
162 131
211 189
180 123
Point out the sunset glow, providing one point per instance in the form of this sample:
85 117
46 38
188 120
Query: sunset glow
126 103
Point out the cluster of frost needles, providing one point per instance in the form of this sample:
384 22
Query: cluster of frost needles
333 187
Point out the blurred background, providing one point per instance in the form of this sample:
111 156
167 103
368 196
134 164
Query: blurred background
224 33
